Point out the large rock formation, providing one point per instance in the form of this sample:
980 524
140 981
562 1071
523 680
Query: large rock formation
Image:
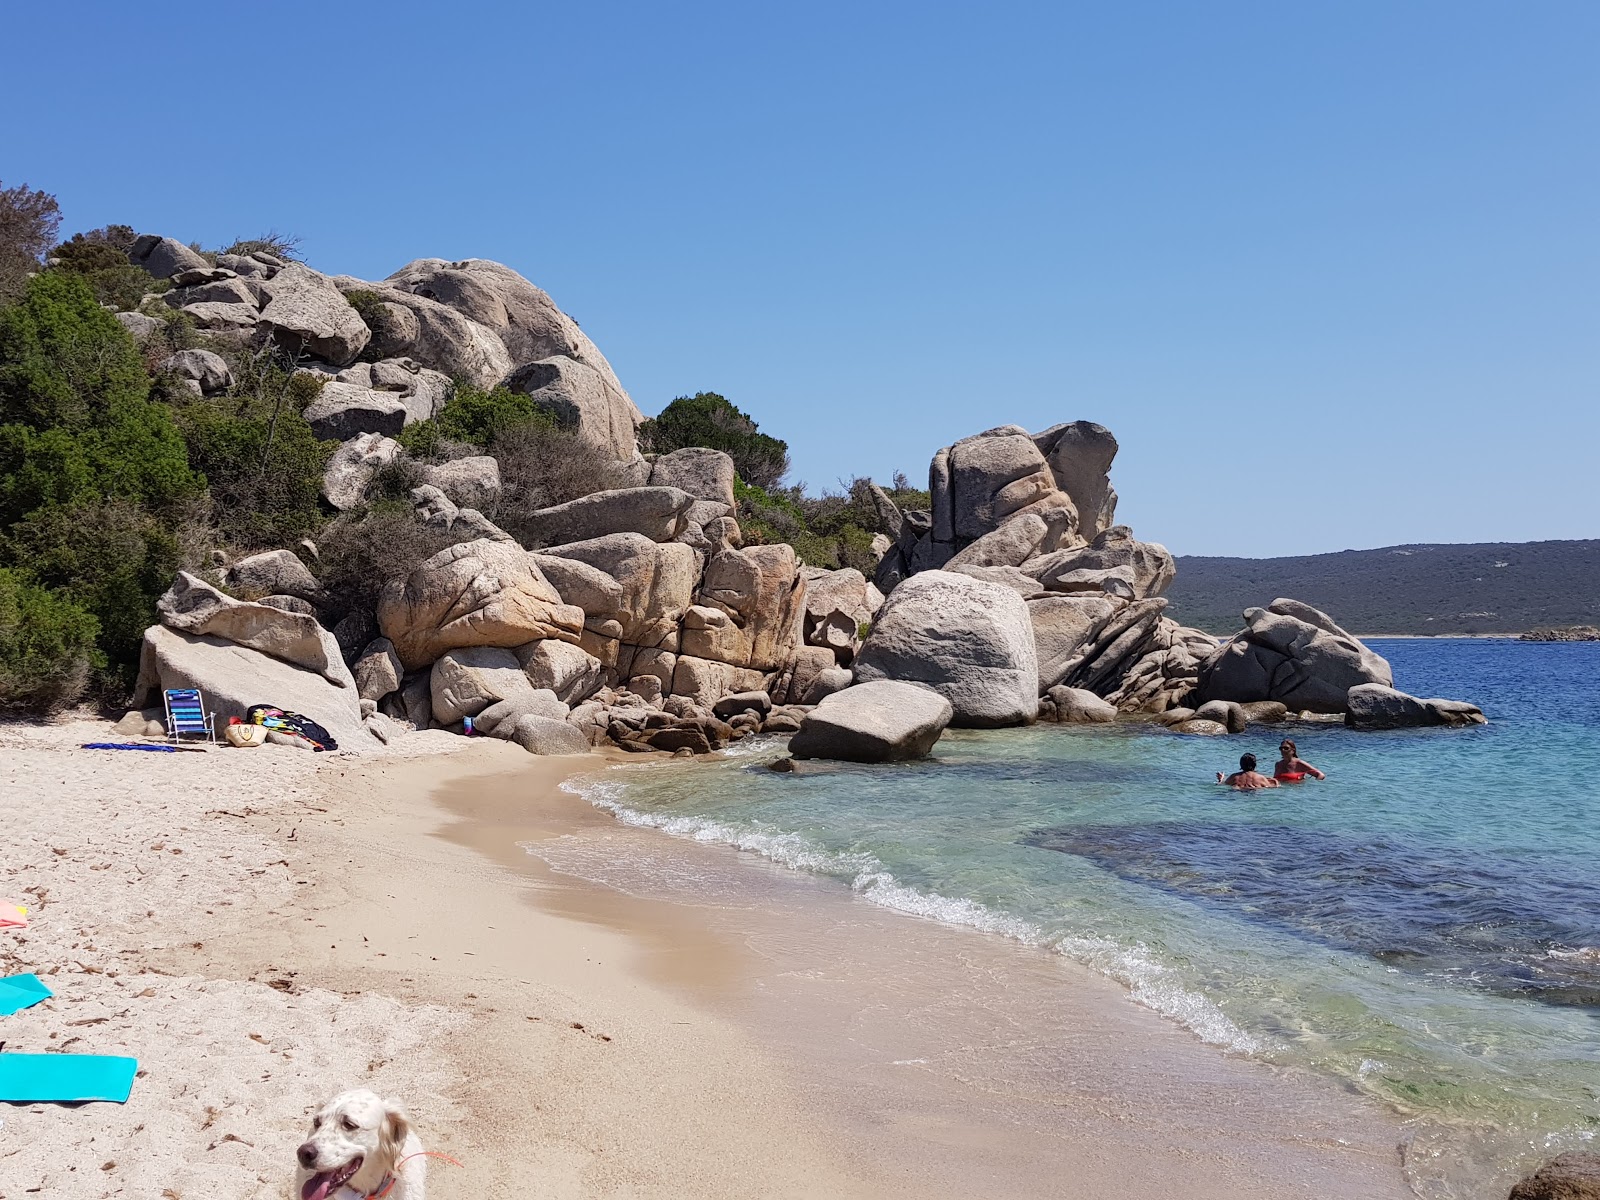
306 312
882 721
193 606
969 640
1293 653
232 677
480 593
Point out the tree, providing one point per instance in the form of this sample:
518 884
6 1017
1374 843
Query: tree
76 418
707 419
29 221
101 257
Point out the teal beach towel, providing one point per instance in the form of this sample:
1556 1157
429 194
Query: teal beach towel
65 1078
18 992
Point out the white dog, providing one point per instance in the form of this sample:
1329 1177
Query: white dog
360 1147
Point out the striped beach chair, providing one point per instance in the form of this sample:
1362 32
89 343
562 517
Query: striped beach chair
186 714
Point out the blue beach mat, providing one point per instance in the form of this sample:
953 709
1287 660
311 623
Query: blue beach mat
157 749
18 992
65 1078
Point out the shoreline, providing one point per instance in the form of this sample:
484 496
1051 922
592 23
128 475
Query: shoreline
617 1013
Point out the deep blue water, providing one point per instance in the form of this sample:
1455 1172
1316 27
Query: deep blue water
1422 925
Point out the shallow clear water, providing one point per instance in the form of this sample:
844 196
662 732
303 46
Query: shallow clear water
1422 925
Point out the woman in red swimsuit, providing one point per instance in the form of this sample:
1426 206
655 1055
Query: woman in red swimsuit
1291 768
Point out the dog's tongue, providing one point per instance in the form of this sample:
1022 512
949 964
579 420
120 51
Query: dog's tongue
316 1188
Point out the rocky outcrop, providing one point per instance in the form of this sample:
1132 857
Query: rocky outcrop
583 399
274 572
1373 706
1062 627
479 593
164 257
1074 706
523 316
656 512
207 371
1295 654
631 589
378 672
838 604
193 606
424 392
232 677
346 410
1115 563
353 467
762 592
569 671
471 482
881 721
704 474
307 313
1080 454
969 640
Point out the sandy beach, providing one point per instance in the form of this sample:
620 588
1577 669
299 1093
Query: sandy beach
616 1013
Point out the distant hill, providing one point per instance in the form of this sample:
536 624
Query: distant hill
1493 587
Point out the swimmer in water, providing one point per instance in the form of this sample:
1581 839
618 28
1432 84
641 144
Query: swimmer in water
1247 778
1291 768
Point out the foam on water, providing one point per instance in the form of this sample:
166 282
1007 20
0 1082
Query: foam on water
1150 983
1420 926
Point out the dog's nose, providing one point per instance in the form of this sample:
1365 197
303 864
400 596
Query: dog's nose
307 1154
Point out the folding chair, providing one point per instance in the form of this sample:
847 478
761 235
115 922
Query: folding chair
186 714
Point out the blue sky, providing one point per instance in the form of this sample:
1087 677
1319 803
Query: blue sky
1331 272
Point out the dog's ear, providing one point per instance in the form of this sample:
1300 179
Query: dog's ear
396 1128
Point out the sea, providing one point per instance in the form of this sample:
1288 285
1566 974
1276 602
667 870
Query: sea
1423 926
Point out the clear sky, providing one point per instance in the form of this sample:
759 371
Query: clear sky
1330 271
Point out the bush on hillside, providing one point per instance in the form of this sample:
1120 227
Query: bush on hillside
29 220
76 420
281 245
707 419
263 463
542 464
111 558
100 256
47 648
361 551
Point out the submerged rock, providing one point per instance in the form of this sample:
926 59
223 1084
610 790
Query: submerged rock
1569 1177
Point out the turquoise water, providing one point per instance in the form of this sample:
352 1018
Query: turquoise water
1422 925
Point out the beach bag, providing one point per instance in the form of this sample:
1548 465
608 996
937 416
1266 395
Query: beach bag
280 720
240 734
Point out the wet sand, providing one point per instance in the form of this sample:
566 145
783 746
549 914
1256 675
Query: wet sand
927 1060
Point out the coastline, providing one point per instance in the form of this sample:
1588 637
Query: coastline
699 1022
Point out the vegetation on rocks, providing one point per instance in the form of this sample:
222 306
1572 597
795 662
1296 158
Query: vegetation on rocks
707 419
121 464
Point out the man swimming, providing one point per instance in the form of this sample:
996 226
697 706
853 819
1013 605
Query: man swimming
1246 778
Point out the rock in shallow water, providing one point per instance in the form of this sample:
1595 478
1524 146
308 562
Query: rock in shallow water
883 721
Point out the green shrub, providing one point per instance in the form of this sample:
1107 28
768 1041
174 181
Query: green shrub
76 420
100 256
46 647
260 457
476 416
707 419
111 558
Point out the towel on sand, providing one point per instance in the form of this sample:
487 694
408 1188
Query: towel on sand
65 1078
18 992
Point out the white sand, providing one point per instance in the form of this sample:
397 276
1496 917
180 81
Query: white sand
132 863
